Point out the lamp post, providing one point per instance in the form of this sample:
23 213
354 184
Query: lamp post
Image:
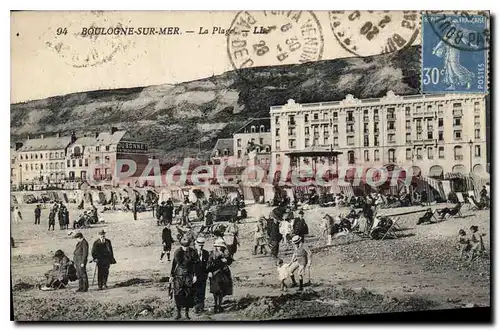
470 155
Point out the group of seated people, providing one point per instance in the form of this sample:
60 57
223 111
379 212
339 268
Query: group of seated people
61 274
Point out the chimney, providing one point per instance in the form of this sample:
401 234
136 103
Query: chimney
41 136
113 129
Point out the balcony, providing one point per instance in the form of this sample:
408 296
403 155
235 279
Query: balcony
366 118
393 130
457 112
76 156
391 117
291 123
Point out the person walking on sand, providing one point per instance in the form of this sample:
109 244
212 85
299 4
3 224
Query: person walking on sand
38 213
260 237
183 275
52 219
221 283
167 240
301 260
102 253
231 238
201 275
273 231
80 257
17 216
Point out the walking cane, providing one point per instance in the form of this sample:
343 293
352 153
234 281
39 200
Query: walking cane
93 278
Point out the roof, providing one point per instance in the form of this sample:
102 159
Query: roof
106 138
257 122
43 144
225 143
85 141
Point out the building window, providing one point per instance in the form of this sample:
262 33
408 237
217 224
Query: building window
335 141
31 166
375 127
97 159
350 116
57 165
365 128
430 153
477 134
375 115
325 140
36 166
365 112
261 141
457 105
268 150
407 111
291 131
335 128
376 155
226 153
476 106
277 132
440 136
408 154
429 135
419 153
391 126
31 156
252 141
278 145
73 163
419 125
391 138
238 153
291 143
419 135
86 162
477 151
325 115
21 156
350 157
457 121
457 134
430 127
408 137
367 155
476 120
375 141
291 120
366 141
457 150
68 162
306 130
277 120
261 128
306 142
335 115
306 118
440 122
107 148
441 152
316 141
408 126
350 140
80 162
26 166
350 128
316 116
41 155
97 148
238 142
392 156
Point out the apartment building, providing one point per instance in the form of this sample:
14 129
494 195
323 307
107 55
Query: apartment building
252 142
440 133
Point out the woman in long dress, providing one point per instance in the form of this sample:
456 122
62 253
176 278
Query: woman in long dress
221 283
183 270
455 75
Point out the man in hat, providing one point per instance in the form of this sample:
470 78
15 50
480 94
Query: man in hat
167 240
186 208
102 253
38 213
301 260
201 275
159 213
300 227
80 256
168 211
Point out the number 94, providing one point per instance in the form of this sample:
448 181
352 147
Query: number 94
431 76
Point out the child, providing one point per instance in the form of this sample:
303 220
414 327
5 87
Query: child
283 273
463 242
476 243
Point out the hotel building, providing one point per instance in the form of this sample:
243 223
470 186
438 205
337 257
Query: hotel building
439 133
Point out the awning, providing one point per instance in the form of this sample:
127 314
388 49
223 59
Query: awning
454 175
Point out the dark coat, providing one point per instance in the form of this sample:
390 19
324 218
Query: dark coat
184 267
166 236
103 252
168 211
273 231
81 253
221 281
159 211
300 227
38 211
201 272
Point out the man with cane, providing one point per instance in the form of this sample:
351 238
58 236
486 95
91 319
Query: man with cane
102 253
80 256
301 260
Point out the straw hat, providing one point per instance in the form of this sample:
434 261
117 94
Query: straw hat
296 239
200 241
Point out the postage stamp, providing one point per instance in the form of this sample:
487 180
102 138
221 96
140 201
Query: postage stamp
455 52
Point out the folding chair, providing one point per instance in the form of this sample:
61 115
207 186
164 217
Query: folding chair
473 205
392 229
456 211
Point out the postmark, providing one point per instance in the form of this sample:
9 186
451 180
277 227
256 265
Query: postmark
265 38
455 53
366 33
79 50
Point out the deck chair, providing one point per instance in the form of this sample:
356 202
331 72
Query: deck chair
427 217
461 199
473 205
456 211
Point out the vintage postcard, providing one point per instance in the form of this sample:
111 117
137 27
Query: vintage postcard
250 165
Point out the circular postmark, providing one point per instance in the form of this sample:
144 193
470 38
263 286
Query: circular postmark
366 33
465 30
265 38
82 45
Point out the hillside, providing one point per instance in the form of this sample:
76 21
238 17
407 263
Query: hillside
177 120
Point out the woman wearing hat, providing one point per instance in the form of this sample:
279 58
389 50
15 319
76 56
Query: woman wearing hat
58 277
183 273
221 283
